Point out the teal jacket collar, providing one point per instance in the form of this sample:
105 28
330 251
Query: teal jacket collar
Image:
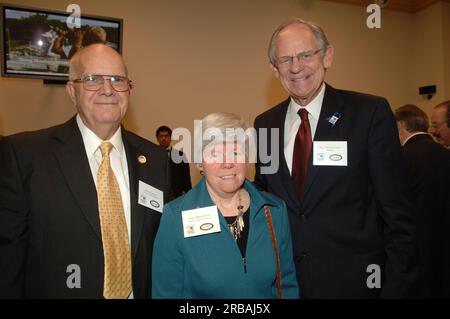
199 197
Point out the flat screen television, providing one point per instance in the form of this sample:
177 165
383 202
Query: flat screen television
38 43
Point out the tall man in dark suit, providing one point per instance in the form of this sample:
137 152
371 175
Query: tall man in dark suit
180 172
53 221
428 166
340 174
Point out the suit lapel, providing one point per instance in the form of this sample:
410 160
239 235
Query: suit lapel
77 172
75 167
285 179
136 172
324 132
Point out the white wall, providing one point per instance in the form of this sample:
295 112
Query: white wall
429 56
446 41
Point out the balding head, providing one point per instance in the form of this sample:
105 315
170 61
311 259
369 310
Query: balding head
83 57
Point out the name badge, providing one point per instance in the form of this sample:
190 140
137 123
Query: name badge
150 197
200 221
330 153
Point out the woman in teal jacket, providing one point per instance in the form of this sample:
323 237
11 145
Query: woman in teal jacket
234 257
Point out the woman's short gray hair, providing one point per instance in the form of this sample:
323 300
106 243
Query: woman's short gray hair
317 31
222 127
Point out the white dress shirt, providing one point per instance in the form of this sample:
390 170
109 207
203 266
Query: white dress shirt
118 163
293 121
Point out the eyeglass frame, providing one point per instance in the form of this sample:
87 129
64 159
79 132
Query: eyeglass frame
109 77
300 57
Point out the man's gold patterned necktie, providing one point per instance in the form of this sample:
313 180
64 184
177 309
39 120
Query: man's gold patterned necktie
116 247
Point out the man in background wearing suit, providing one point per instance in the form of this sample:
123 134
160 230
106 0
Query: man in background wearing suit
428 165
340 174
75 219
181 176
440 124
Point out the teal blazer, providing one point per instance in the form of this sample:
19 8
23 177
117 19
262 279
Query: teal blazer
211 266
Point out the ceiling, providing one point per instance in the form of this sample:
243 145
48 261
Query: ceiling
411 6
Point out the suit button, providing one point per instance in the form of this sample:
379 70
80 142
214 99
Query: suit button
303 217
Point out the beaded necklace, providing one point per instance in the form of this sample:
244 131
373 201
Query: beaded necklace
237 226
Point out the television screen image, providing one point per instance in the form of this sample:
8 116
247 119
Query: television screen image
38 43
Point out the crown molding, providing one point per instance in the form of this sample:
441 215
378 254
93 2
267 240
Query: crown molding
411 6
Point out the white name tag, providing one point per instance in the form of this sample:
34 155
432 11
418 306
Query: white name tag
330 153
150 197
200 221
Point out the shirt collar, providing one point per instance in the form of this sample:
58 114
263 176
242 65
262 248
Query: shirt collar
199 197
92 141
414 134
312 107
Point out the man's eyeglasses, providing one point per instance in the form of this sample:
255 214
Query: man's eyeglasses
93 82
303 57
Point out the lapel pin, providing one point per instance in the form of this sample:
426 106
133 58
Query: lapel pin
333 119
142 159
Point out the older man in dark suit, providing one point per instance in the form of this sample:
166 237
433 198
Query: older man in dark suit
428 165
77 216
340 174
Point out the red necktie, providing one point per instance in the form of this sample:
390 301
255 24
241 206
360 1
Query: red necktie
302 149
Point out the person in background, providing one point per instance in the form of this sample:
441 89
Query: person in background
94 34
82 38
440 123
75 218
181 175
340 173
428 165
68 42
224 238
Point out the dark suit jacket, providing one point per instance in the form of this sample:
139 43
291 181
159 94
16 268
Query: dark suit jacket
349 217
181 176
49 214
429 179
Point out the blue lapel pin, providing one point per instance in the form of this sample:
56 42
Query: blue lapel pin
333 119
